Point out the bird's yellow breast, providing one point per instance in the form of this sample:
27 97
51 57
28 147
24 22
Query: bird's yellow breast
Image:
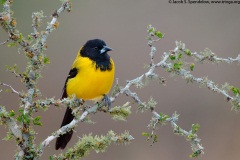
90 83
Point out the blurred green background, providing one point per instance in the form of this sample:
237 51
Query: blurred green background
122 24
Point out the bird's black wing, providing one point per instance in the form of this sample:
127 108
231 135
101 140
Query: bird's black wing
62 140
73 72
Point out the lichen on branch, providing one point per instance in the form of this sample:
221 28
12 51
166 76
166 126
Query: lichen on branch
97 143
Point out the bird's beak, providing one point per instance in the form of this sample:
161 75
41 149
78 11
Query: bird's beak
105 49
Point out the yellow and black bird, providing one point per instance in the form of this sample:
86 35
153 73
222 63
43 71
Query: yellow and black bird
90 78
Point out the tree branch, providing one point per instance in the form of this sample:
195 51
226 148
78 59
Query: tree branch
97 143
6 40
75 106
12 89
36 60
6 118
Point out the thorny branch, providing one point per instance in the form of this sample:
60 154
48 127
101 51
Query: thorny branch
6 118
169 65
98 143
209 55
36 60
76 105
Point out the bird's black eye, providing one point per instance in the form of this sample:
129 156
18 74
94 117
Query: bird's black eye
96 48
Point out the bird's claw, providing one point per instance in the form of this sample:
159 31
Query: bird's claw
107 101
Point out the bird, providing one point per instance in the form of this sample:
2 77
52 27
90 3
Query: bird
90 78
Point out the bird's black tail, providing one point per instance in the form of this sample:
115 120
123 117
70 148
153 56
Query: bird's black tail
62 140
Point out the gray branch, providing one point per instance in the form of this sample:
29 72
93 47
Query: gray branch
12 89
69 126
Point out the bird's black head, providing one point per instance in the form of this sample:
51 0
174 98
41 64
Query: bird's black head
96 50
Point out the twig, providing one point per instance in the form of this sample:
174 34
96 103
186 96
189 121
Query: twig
181 72
9 37
12 89
97 143
10 122
17 74
189 135
207 54
42 43
6 11
69 126
53 24
5 118
5 41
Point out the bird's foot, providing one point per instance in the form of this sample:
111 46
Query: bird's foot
107 101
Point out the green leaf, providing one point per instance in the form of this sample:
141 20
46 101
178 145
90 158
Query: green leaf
8 137
188 52
235 90
155 138
191 137
15 66
8 90
12 44
195 154
37 118
12 113
195 128
36 121
3 1
179 56
20 110
172 57
145 134
151 29
192 66
177 65
50 158
158 34
163 117
26 119
19 118
46 60
29 37
20 37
